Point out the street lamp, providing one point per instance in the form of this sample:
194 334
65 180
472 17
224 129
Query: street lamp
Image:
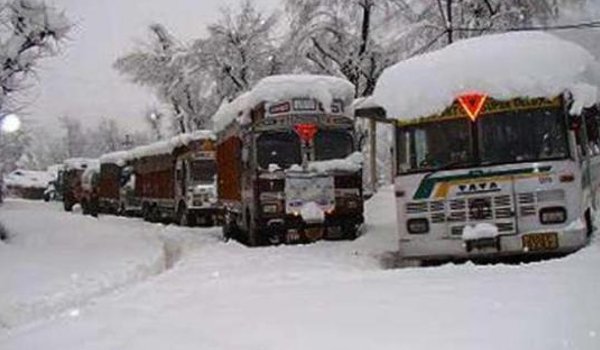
10 123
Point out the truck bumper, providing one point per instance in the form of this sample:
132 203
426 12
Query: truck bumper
560 242
293 229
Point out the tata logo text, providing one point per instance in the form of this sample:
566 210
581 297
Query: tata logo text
483 187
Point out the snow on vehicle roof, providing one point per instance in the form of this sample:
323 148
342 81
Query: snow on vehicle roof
80 163
277 88
504 66
157 148
28 179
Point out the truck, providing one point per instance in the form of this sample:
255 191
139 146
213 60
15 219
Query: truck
89 198
168 181
289 169
70 180
111 179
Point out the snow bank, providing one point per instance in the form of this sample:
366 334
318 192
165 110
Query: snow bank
504 66
28 179
158 148
324 296
276 88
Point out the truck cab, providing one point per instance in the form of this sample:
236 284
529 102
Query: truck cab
288 166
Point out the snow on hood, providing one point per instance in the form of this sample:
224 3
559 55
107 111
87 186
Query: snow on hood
352 163
504 66
157 148
284 87
28 179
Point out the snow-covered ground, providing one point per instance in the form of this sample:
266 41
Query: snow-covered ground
330 295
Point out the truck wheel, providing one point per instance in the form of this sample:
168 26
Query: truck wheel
146 212
67 205
351 232
182 216
94 208
84 207
589 223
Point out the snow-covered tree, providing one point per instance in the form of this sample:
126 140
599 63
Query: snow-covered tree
30 30
157 66
240 49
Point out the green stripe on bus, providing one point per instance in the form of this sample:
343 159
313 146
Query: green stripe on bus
427 185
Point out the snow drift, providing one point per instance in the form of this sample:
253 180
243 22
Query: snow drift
504 66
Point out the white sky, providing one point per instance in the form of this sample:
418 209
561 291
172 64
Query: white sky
81 82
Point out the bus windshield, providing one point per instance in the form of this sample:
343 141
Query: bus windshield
435 145
203 171
333 144
503 138
279 148
526 136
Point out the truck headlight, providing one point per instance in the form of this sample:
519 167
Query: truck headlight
417 226
553 215
270 208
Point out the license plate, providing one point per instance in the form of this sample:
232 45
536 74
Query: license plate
540 241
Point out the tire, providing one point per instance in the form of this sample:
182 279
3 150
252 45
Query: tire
68 205
183 216
146 212
589 224
84 207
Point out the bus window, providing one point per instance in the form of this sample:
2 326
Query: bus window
524 136
434 145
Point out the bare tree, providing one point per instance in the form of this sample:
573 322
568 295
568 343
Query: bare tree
30 30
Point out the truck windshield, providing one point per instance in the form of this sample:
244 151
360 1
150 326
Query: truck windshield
203 170
435 145
333 144
279 148
526 136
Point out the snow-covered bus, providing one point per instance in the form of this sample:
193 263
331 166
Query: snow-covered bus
497 148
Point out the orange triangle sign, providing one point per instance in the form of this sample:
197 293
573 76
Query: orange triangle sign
472 104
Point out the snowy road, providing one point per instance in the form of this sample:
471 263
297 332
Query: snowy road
331 295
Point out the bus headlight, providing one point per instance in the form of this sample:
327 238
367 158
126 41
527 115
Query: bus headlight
417 226
553 215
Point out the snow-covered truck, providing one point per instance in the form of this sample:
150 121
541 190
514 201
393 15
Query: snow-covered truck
172 180
288 165
89 198
70 180
111 180
497 147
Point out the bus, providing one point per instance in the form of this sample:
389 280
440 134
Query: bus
489 179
